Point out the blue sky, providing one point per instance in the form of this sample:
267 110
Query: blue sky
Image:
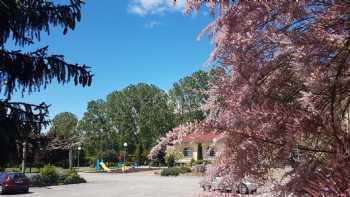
125 42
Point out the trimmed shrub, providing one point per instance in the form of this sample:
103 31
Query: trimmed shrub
185 169
37 180
73 178
171 156
192 161
49 175
170 160
170 172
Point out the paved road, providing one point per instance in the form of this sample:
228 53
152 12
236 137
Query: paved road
144 184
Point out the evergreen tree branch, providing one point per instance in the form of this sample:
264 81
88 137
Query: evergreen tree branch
30 71
26 19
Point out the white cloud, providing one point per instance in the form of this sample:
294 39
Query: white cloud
152 24
137 10
147 7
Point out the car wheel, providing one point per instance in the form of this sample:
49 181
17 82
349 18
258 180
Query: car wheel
205 187
2 190
208 188
26 190
243 189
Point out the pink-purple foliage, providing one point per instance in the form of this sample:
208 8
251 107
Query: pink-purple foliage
170 139
283 84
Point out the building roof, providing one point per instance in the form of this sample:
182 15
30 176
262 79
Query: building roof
200 137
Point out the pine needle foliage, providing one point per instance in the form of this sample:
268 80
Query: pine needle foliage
22 23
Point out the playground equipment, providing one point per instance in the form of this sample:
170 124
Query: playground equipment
104 167
125 169
97 166
101 164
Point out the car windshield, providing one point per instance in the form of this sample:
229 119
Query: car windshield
16 176
2 176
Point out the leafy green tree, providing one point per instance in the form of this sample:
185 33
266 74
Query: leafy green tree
140 153
141 114
23 21
187 96
96 132
64 124
138 115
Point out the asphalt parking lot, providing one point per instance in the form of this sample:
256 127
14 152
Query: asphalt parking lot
143 184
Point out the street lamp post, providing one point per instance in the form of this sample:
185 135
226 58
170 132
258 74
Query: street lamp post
79 149
125 149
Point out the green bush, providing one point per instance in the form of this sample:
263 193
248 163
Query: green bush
73 178
171 156
175 171
192 161
170 172
185 169
48 170
37 180
49 175
200 162
170 160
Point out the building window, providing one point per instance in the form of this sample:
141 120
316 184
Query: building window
188 152
212 152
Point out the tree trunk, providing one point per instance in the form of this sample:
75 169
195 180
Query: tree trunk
70 158
24 155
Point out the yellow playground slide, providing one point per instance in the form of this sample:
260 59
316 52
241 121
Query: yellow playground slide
104 167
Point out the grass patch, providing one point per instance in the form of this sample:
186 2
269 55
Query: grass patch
28 170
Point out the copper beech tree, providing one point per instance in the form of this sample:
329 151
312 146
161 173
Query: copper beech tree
284 86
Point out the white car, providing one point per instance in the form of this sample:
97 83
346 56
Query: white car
217 184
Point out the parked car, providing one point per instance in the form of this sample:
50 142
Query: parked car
217 184
247 187
14 182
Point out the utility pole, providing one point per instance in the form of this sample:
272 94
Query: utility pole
79 149
125 146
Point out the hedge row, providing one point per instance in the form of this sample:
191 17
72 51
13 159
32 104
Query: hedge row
49 176
175 171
